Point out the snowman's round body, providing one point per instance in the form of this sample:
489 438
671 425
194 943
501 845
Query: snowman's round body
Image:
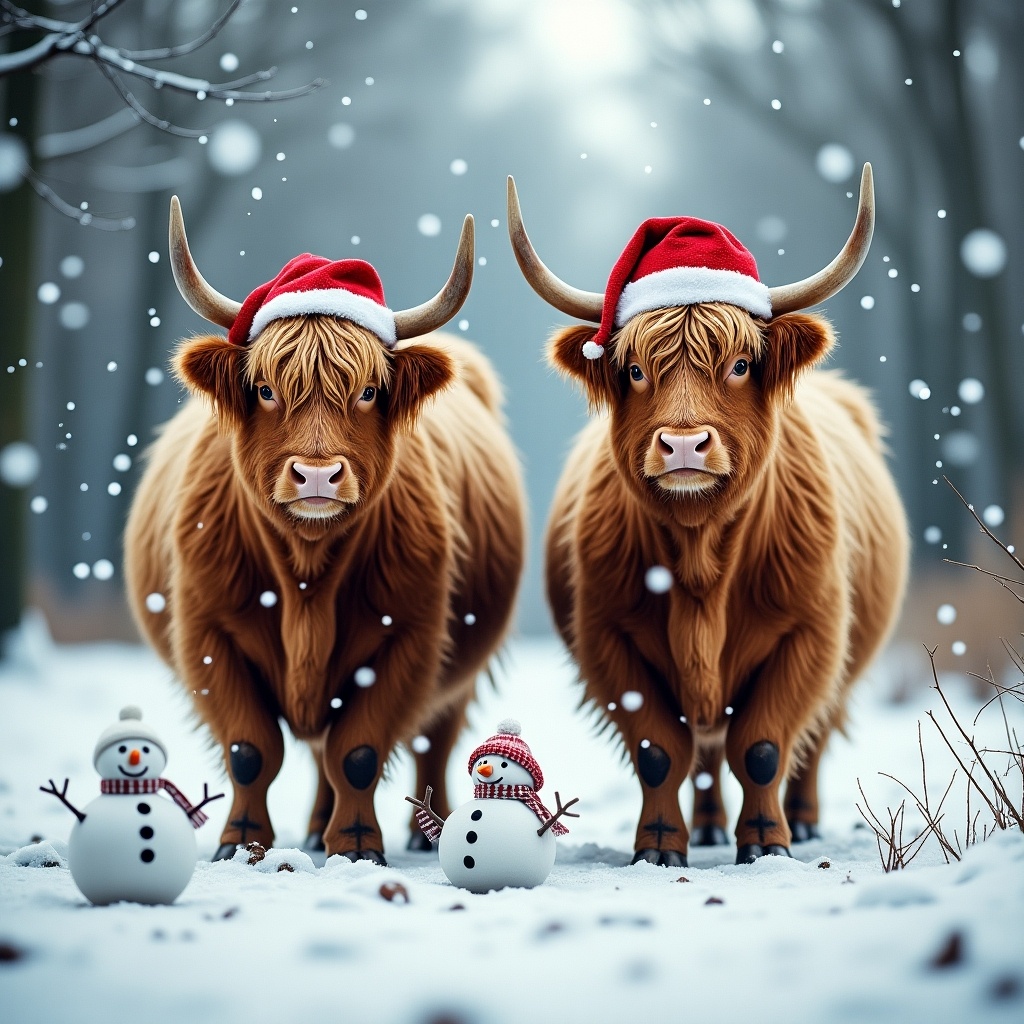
140 848
493 843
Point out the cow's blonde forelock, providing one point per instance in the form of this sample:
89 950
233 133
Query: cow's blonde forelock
306 355
706 335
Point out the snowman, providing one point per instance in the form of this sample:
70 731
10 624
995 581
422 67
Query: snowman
131 843
504 836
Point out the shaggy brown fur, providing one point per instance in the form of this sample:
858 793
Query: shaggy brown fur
427 528
788 559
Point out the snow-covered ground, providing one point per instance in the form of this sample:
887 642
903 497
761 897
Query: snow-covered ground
825 937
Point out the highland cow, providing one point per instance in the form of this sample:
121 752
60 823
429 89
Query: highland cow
337 532
727 549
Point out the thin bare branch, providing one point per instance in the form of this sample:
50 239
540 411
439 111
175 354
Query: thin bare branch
84 217
74 39
169 52
984 529
996 785
1003 581
70 143
151 119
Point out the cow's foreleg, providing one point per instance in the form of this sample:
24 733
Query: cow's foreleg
360 740
659 744
794 686
246 729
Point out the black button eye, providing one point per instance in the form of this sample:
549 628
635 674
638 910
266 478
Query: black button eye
740 367
266 393
504 764
636 373
368 393
145 750
121 749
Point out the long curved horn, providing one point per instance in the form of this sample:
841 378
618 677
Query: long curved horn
788 298
204 299
436 312
573 301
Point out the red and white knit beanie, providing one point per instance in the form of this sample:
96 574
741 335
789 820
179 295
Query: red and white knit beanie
348 289
507 743
128 727
678 261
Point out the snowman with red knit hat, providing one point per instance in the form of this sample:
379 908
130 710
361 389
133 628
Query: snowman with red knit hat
504 836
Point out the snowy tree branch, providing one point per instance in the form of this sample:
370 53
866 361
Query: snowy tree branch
74 39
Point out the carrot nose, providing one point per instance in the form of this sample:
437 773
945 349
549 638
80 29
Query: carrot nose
485 770
134 758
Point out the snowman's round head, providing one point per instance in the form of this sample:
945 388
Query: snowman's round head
505 758
495 770
129 750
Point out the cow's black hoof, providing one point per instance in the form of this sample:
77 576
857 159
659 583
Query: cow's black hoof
663 858
646 856
672 859
225 851
374 856
419 843
709 835
804 831
314 843
750 852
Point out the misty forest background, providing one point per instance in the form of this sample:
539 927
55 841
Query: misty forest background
406 114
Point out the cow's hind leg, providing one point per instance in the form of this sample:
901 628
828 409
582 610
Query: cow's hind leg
708 807
801 803
323 805
432 764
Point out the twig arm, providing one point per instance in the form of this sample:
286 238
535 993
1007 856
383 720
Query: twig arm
424 805
61 795
561 809
207 799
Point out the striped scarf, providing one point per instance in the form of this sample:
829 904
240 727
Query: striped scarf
133 787
483 791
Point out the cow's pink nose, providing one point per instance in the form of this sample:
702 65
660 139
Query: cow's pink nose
687 451
317 481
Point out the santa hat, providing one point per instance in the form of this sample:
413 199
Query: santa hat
507 743
677 261
129 727
308 284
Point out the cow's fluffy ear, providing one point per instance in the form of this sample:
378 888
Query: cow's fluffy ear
213 367
419 371
796 341
565 352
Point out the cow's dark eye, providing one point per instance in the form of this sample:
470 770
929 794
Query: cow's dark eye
636 373
740 367
368 393
266 393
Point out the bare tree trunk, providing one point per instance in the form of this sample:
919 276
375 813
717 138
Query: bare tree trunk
17 209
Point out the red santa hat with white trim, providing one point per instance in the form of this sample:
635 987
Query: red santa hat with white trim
308 284
678 261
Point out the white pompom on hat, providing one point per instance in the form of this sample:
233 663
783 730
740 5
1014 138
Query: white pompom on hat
507 743
128 727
